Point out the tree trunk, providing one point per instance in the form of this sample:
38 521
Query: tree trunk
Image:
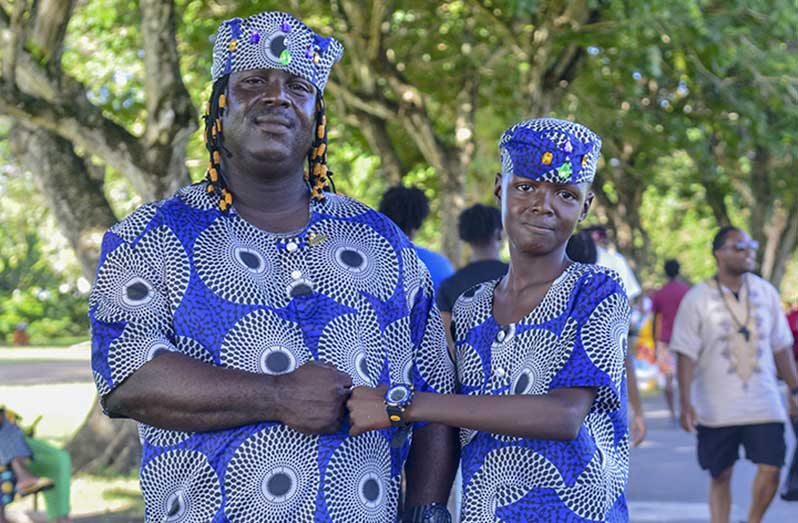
76 200
103 445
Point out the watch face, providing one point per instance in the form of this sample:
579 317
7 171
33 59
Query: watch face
397 395
437 514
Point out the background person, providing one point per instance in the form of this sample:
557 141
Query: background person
731 337
408 207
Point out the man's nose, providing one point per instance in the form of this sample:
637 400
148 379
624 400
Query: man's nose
274 93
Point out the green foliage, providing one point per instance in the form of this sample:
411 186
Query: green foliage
38 274
685 93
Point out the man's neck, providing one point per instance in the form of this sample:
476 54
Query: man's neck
483 253
731 280
272 201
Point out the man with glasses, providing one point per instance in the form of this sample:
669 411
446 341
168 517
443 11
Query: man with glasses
731 338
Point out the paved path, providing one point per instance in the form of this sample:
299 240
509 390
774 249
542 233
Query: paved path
36 366
666 484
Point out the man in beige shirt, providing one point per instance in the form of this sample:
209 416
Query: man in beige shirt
732 337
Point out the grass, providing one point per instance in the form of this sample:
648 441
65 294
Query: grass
63 407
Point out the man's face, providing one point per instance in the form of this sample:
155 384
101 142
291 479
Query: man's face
738 253
539 217
269 116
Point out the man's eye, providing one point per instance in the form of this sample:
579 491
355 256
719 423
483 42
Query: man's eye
524 187
567 195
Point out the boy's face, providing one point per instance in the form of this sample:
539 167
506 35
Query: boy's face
539 217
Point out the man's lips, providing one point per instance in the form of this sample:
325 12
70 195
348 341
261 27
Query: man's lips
272 121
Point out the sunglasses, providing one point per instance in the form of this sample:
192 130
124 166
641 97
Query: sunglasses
744 246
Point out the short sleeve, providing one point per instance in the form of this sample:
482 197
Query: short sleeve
140 280
686 334
434 370
595 338
781 336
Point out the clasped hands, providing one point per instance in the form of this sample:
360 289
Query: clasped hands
317 396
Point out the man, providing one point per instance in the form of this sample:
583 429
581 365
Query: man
665 302
731 337
608 256
408 207
232 319
480 226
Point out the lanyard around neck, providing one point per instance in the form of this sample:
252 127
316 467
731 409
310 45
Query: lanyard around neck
742 326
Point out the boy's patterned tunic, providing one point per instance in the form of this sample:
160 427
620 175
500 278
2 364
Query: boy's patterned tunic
576 337
348 289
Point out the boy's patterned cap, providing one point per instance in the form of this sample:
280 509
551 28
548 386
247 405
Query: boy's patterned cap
550 150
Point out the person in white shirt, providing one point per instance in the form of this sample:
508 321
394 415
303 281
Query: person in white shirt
731 337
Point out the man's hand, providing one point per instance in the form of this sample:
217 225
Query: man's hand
792 405
314 398
367 410
638 430
687 418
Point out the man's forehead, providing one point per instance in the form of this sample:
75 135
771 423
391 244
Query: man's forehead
269 72
738 235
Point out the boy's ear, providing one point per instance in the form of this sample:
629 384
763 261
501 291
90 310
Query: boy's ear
586 206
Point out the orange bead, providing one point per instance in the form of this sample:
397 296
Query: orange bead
223 205
214 174
320 132
228 197
221 100
322 148
232 45
217 158
210 187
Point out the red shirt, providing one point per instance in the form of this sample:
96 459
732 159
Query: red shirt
792 319
665 303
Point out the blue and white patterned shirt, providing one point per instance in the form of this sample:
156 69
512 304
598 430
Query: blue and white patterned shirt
348 289
576 337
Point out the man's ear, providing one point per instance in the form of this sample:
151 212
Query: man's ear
586 206
497 189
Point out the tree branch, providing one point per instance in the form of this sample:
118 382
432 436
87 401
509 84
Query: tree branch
169 107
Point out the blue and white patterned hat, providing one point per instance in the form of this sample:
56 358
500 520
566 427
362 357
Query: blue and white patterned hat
550 150
274 40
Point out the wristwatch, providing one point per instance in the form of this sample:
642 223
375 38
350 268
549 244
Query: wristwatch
432 513
397 399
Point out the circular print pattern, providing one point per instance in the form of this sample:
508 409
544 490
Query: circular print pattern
180 486
358 485
505 476
353 348
131 286
355 258
262 342
235 261
273 476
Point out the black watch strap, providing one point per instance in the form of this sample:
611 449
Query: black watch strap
432 513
